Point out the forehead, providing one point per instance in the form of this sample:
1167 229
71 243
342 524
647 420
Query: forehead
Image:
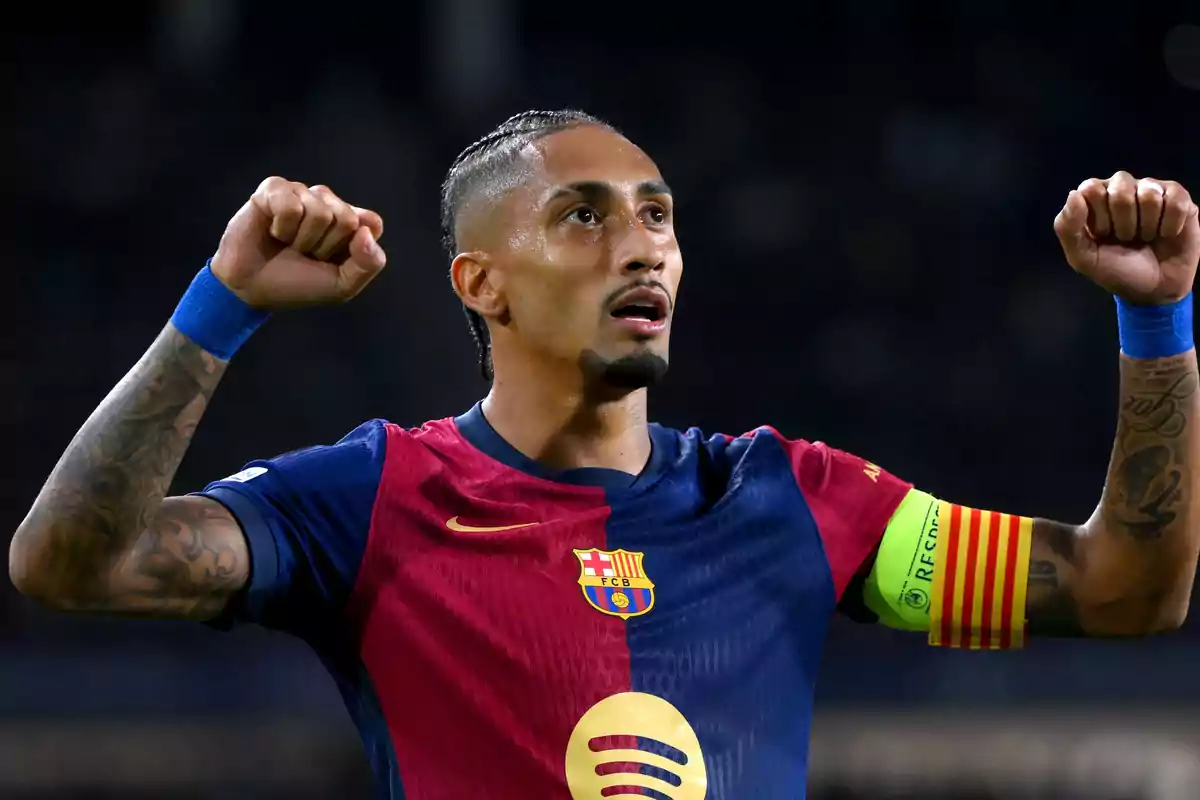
591 153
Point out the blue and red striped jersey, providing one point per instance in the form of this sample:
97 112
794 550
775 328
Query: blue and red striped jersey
503 631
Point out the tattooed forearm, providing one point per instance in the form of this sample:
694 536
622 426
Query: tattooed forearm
1152 474
1129 570
98 533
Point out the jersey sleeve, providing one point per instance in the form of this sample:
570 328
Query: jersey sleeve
958 573
306 516
851 501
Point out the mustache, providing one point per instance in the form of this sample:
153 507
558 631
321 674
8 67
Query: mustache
641 283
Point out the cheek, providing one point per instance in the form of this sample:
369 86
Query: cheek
674 274
557 309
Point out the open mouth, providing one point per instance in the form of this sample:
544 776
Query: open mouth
643 304
649 313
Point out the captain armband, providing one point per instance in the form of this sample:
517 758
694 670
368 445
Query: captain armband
956 572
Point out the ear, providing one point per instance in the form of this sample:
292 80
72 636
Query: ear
477 285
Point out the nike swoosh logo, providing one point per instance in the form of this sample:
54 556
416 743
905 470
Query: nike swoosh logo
454 525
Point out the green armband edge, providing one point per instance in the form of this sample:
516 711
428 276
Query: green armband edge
901 581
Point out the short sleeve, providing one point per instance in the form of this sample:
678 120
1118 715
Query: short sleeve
306 516
851 501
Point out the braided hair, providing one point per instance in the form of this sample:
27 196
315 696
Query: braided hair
482 164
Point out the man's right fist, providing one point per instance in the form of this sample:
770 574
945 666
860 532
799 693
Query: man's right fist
292 246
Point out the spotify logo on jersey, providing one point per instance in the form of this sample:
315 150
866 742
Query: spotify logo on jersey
634 741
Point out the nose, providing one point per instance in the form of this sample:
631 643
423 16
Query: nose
642 266
639 251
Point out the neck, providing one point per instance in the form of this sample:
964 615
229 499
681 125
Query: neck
552 419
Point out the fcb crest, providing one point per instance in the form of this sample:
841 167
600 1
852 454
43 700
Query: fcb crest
614 582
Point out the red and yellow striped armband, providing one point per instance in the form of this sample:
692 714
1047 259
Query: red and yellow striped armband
955 572
981 568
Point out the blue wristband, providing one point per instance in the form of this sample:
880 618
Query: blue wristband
214 317
1155 331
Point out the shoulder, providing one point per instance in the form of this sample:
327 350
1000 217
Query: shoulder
761 455
848 497
356 456
816 466
373 443
368 441
434 450
352 467
760 445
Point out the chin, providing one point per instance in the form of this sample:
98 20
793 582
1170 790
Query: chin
626 373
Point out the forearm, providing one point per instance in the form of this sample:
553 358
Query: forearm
1148 522
1128 570
108 485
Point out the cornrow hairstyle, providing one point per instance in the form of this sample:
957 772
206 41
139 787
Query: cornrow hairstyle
483 163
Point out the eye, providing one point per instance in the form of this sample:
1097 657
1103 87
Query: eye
655 214
584 215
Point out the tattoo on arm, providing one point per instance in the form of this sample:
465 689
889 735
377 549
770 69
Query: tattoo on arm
1050 606
1151 458
188 563
99 536
1134 562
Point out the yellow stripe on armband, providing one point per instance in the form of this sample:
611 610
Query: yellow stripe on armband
956 572
979 579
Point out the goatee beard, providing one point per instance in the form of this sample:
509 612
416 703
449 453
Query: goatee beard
625 374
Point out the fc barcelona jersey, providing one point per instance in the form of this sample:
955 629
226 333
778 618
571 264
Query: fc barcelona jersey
502 632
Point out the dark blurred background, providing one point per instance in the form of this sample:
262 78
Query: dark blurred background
865 197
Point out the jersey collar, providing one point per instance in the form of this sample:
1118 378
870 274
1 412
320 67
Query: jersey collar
475 428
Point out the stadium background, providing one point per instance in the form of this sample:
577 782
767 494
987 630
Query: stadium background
865 197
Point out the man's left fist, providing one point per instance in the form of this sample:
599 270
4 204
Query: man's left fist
1138 239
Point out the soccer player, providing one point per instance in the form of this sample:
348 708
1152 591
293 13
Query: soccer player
549 596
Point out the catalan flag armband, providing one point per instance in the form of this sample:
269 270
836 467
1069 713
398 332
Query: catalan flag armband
957 572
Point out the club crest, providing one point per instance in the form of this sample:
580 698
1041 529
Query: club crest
615 582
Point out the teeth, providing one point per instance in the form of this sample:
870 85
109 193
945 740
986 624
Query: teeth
647 313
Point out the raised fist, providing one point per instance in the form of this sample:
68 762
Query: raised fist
291 245
1138 239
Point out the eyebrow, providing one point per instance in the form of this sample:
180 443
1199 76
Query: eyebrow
593 191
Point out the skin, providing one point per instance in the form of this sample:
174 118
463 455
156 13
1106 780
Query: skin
1128 570
590 217
101 536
